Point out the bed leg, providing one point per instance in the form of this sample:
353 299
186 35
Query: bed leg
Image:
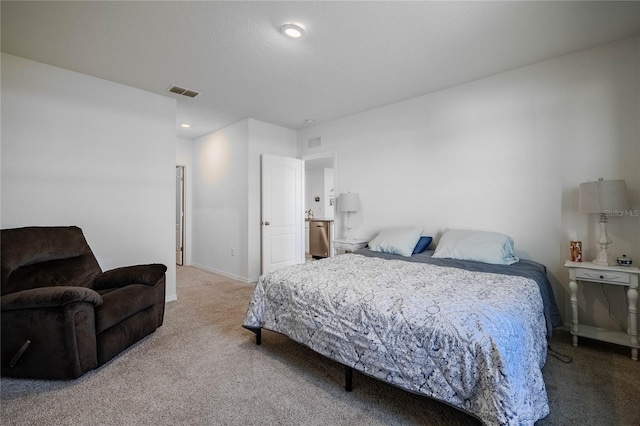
258 331
348 378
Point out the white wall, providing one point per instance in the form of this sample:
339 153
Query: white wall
78 150
328 199
184 157
504 153
226 195
314 187
319 183
220 202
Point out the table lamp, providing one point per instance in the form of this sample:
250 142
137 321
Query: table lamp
349 203
608 198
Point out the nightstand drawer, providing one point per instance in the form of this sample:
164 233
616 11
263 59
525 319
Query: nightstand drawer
593 275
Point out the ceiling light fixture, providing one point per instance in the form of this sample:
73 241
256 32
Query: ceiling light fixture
292 30
185 125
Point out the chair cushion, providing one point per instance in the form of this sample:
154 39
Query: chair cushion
73 272
33 257
121 303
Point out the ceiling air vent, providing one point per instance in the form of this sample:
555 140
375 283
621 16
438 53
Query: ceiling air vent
184 92
315 142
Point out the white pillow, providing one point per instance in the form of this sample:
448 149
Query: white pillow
482 246
400 241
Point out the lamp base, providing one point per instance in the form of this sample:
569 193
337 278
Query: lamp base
348 236
603 242
602 259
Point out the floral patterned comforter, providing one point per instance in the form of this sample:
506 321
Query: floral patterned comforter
474 340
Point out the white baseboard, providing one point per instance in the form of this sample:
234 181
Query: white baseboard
226 274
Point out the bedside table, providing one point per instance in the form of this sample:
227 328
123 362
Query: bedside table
587 272
348 246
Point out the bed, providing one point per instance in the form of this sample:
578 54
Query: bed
468 333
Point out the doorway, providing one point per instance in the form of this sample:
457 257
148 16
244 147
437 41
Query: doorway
321 174
180 215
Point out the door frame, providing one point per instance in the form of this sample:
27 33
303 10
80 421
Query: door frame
182 221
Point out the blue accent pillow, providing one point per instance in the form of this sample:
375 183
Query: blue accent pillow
422 245
487 247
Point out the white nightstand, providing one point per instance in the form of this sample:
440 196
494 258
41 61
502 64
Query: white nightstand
587 272
348 246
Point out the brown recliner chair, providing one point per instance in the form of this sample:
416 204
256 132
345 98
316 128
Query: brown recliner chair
61 315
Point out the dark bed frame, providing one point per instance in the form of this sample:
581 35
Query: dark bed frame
348 371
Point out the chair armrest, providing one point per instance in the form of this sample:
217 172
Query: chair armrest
139 274
48 297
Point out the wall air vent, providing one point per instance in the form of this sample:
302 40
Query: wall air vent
184 92
315 142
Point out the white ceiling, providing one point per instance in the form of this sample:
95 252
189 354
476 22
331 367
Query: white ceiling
355 56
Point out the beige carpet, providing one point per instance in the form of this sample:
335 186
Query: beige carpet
202 368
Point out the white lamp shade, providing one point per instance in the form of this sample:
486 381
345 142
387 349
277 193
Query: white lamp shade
603 196
349 202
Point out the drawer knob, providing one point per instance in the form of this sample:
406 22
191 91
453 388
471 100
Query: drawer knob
601 277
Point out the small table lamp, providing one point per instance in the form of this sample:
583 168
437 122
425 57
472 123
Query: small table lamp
607 197
349 203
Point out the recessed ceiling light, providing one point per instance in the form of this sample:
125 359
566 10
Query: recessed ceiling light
185 125
292 30
309 121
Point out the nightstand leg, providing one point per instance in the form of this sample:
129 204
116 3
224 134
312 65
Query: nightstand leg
573 286
632 328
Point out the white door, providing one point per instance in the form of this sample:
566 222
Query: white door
179 215
282 212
